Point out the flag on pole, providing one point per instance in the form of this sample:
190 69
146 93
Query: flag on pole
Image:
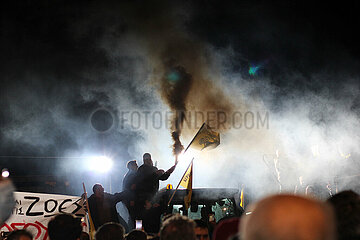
186 182
205 138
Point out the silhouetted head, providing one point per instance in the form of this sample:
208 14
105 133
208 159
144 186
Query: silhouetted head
110 231
178 227
20 235
347 211
147 159
84 236
136 235
201 230
64 226
98 190
289 217
132 165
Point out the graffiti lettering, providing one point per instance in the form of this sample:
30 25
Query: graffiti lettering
28 211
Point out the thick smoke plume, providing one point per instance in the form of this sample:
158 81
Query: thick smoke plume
175 87
181 66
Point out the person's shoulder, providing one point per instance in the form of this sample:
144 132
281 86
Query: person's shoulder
142 167
107 195
92 197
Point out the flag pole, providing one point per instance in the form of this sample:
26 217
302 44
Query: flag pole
172 196
194 138
92 227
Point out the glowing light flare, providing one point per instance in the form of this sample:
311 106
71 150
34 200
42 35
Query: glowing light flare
253 69
181 156
184 161
5 173
185 157
100 164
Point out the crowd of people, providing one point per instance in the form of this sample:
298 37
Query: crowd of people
276 217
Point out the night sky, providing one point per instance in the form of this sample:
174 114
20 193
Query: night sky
61 61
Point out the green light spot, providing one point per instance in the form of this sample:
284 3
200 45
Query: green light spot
253 70
173 77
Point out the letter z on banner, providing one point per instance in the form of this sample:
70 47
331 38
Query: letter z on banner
33 211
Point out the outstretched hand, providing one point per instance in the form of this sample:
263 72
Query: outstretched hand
171 169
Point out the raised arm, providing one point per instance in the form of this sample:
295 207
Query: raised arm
164 176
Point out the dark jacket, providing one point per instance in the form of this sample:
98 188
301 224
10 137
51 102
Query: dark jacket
103 210
129 181
147 181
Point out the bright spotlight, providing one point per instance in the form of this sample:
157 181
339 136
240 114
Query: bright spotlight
100 164
5 173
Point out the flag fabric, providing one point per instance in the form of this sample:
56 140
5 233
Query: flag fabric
205 138
186 182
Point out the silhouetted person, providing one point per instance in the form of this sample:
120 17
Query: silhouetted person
289 217
136 235
178 227
129 178
147 185
347 212
148 176
20 235
208 216
226 228
84 236
64 226
103 206
201 230
110 231
7 201
129 186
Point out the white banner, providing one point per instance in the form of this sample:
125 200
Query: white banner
33 211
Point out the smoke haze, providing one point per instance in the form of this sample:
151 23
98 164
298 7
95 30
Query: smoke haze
63 62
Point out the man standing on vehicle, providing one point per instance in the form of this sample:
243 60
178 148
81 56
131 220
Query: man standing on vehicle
103 206
148 177
129 178
129 187
147 185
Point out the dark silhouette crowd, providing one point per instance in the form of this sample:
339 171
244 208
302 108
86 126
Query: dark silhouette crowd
276 217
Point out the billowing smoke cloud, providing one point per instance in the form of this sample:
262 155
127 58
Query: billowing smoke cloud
61 64
181 64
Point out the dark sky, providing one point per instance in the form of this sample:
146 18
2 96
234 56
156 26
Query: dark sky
52 50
